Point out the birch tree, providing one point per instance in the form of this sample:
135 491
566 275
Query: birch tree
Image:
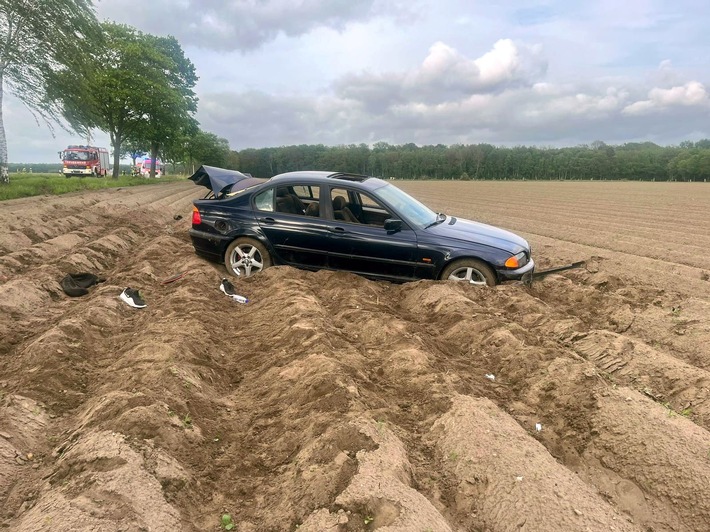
36 38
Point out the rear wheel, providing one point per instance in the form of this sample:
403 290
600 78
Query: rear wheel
245 257
471 271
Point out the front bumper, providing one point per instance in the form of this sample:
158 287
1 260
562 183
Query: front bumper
521 274
77 171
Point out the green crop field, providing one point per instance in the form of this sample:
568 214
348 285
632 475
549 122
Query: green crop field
23 185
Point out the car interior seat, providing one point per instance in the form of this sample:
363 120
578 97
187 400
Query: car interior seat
313 209
287 202
341 211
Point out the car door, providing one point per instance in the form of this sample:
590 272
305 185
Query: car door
296 238
368 248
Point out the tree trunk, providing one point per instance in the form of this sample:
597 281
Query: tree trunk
153 157
116 140
4 174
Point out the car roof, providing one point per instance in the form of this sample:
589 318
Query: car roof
317 176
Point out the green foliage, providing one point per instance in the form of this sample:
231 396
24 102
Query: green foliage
36 38
131 85
23 185
227 522
598 161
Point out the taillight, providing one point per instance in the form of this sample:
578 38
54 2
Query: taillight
196 218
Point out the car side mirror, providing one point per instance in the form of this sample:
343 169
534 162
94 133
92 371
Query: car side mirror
392 225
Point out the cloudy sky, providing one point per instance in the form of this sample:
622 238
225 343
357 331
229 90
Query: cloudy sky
546 73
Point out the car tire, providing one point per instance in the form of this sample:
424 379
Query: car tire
473 271
245 257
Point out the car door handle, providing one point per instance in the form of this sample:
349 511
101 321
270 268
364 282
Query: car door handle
267 220
338 230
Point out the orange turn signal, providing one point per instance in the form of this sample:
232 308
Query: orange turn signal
512 262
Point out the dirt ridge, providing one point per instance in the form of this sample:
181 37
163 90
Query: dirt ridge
331 402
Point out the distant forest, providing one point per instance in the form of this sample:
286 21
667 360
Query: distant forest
645 161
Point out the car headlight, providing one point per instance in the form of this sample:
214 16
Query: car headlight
517 261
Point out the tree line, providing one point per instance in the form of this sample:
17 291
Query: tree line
69 69
644 161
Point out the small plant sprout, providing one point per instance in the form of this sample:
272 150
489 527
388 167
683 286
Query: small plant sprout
187 421
227 522
368 519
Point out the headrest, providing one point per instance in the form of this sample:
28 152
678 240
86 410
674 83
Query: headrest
313 210
281 192
338 203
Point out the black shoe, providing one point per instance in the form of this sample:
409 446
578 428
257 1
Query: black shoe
132 298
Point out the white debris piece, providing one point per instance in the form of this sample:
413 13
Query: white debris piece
538 427
490 376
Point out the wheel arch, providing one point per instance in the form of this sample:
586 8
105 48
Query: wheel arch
256 235
465 257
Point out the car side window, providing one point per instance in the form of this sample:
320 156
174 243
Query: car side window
355 207
264 201
307 192
370 211
288 202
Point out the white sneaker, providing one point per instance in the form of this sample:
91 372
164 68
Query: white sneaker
132 297
228 288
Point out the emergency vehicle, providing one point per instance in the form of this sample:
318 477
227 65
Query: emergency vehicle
143 167
84 160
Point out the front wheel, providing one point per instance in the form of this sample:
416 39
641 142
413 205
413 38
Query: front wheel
471 271
245 257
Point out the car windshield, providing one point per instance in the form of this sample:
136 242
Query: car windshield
76 156
415 212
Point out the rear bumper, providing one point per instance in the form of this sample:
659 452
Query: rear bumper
519 274
209 245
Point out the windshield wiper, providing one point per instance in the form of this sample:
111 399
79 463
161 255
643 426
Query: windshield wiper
440 217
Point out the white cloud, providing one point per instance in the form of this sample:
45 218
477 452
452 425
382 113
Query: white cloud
445 75
245 24
692 94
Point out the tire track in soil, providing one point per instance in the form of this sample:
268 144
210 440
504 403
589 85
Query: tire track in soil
333 402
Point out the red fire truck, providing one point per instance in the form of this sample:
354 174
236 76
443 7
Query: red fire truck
84 160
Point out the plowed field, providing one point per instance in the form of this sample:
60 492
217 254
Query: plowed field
330 402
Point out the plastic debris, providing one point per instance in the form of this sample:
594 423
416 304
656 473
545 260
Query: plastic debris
538 427
490 376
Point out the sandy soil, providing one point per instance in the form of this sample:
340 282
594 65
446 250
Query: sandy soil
331 402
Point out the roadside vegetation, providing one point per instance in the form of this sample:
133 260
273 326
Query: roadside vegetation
632 161
26 184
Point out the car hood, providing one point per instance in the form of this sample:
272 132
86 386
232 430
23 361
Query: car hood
469 231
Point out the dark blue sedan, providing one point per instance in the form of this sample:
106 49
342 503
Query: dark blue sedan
360 224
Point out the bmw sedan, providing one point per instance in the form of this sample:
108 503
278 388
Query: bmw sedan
360 224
